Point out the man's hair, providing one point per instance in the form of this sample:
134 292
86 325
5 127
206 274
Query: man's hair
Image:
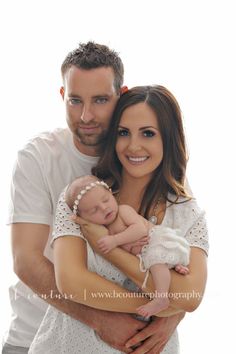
93 55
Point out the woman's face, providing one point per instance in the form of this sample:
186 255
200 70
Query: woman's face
139 144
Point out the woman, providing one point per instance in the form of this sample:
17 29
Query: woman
145 163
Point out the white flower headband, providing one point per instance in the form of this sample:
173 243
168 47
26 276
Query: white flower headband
87 188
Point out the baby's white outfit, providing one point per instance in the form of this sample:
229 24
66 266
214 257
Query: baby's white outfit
166 246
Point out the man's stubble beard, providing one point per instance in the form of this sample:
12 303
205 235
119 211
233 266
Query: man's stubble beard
91 140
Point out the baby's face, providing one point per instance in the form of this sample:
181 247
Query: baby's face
98 206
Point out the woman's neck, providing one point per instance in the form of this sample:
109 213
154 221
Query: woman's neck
132 191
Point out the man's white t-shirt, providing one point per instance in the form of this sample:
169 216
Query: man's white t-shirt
43 168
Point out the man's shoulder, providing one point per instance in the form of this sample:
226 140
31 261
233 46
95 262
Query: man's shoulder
47 140
59 134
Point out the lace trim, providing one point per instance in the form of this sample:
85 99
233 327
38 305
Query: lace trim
197 235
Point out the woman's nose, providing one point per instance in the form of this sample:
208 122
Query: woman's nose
134 145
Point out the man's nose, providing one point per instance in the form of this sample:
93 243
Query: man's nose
87 114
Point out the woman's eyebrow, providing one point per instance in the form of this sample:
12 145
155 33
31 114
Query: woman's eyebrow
148 127
142 128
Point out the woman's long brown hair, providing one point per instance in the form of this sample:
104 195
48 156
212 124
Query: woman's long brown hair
169 176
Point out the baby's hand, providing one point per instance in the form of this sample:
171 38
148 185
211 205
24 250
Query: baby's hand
106 244
181 269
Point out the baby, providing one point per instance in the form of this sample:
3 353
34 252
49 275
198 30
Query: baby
92 200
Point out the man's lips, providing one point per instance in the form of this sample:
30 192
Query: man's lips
88 129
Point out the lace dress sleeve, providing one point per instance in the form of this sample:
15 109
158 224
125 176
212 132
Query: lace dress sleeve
63 225
197 235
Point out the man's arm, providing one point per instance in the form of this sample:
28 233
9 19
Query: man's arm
37 272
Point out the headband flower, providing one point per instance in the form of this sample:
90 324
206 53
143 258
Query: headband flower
87 188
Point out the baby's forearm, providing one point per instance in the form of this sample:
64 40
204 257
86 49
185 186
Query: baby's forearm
131 234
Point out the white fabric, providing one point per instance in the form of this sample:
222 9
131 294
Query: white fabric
166 245
59 333
43 168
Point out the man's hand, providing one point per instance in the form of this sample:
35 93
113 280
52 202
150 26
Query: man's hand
117 328
155 336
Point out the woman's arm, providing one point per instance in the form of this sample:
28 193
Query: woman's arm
186 292
77 283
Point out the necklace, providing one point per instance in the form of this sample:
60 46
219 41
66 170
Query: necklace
153 218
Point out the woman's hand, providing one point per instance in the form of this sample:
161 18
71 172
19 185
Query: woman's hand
92 232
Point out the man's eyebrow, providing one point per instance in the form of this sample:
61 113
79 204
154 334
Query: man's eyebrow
71 94
103 95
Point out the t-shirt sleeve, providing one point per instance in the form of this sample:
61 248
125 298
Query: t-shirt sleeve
63 225
197 234
30 198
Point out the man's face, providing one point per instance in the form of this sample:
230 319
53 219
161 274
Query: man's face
90 99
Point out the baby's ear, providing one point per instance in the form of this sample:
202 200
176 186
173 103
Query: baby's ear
78 220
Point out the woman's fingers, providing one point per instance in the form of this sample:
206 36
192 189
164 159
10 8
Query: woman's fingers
78 220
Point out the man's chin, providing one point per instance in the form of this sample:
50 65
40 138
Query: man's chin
88 140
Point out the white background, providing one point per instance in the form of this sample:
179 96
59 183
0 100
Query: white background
187 46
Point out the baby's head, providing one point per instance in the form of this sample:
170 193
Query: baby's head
91 198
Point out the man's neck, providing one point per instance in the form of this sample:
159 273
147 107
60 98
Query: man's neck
86 149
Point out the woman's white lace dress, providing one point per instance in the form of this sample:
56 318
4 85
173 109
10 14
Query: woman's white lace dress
59 333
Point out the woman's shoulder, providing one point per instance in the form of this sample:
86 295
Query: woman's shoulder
185 204
185 210
187 216
63 224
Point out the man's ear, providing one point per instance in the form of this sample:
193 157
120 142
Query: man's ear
62 92
123 90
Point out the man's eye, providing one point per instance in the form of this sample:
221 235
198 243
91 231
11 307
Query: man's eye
75 101
123 132
101 100
149 133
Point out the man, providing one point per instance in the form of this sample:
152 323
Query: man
92 79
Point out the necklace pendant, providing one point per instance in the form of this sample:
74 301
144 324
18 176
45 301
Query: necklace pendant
153 219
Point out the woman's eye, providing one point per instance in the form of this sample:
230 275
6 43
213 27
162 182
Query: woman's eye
149 133
123 132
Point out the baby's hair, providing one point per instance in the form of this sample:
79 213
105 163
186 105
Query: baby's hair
78 188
